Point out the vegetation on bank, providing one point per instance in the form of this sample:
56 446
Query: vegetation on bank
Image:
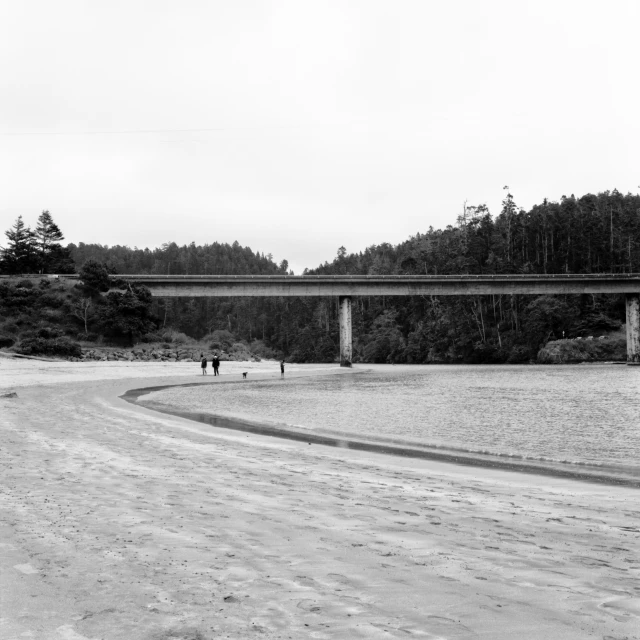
612 347
63 318
592 234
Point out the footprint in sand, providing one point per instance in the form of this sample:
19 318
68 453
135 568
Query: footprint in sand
306 581
311 606
25 568
66 632
623 605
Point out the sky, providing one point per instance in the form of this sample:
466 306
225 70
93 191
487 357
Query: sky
297 127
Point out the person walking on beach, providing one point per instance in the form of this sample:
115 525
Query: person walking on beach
282 369
203 364
215 362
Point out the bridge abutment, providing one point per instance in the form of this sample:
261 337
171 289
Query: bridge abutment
346 346
633 328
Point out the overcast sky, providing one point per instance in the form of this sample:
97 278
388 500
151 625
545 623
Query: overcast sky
297 127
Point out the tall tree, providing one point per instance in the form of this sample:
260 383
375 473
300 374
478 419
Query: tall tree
54 258
47 232
20 255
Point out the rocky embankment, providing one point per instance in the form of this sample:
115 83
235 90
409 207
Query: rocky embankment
590 349
155 354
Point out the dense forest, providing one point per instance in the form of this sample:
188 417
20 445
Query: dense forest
591 234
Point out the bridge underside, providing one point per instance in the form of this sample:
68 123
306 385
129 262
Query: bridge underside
345 287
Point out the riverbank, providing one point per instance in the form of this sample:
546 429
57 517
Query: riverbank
119 522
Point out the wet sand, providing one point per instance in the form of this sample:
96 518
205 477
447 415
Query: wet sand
120 522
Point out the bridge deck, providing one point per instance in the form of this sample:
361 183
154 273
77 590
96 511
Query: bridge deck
394 285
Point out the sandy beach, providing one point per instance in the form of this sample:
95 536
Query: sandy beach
119 522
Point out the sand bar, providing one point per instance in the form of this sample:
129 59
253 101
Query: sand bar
120 522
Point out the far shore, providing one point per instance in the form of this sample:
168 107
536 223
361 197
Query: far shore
121 522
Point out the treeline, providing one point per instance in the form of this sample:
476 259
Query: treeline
592 234
171 259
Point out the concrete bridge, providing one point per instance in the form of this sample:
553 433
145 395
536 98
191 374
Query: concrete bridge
345 287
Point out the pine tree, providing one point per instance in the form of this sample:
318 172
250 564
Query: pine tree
509 213
47 232
20 255
53 257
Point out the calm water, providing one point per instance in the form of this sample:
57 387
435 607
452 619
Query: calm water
569 415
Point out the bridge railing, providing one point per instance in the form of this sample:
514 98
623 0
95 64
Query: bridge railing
507 276
347 277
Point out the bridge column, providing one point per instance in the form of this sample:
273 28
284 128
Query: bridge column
346 348
633 328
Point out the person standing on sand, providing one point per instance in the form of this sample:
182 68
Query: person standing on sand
203 364
282 369
215 361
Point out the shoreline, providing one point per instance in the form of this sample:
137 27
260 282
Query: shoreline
117 521
425 453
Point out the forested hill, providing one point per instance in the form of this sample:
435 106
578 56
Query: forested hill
592 234
595 233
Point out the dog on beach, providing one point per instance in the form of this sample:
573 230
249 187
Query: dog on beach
244 374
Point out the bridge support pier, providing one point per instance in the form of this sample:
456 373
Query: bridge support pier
346 347
633 328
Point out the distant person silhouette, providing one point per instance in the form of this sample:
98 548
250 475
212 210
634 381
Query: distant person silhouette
203 364
215 362
282 369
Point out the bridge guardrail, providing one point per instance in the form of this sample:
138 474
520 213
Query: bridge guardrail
509 276
421 277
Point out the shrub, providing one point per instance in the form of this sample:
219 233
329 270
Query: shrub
50 299
219 339
569 351
46 332
24 320
17 297
519 354
25 283
95 276
260 349
88 337
127 314
51 315
167 337
6 341
152 336
10 327
176 337
48 341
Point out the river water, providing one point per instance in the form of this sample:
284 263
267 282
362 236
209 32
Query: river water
583 417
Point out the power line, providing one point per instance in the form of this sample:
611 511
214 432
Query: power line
153 131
